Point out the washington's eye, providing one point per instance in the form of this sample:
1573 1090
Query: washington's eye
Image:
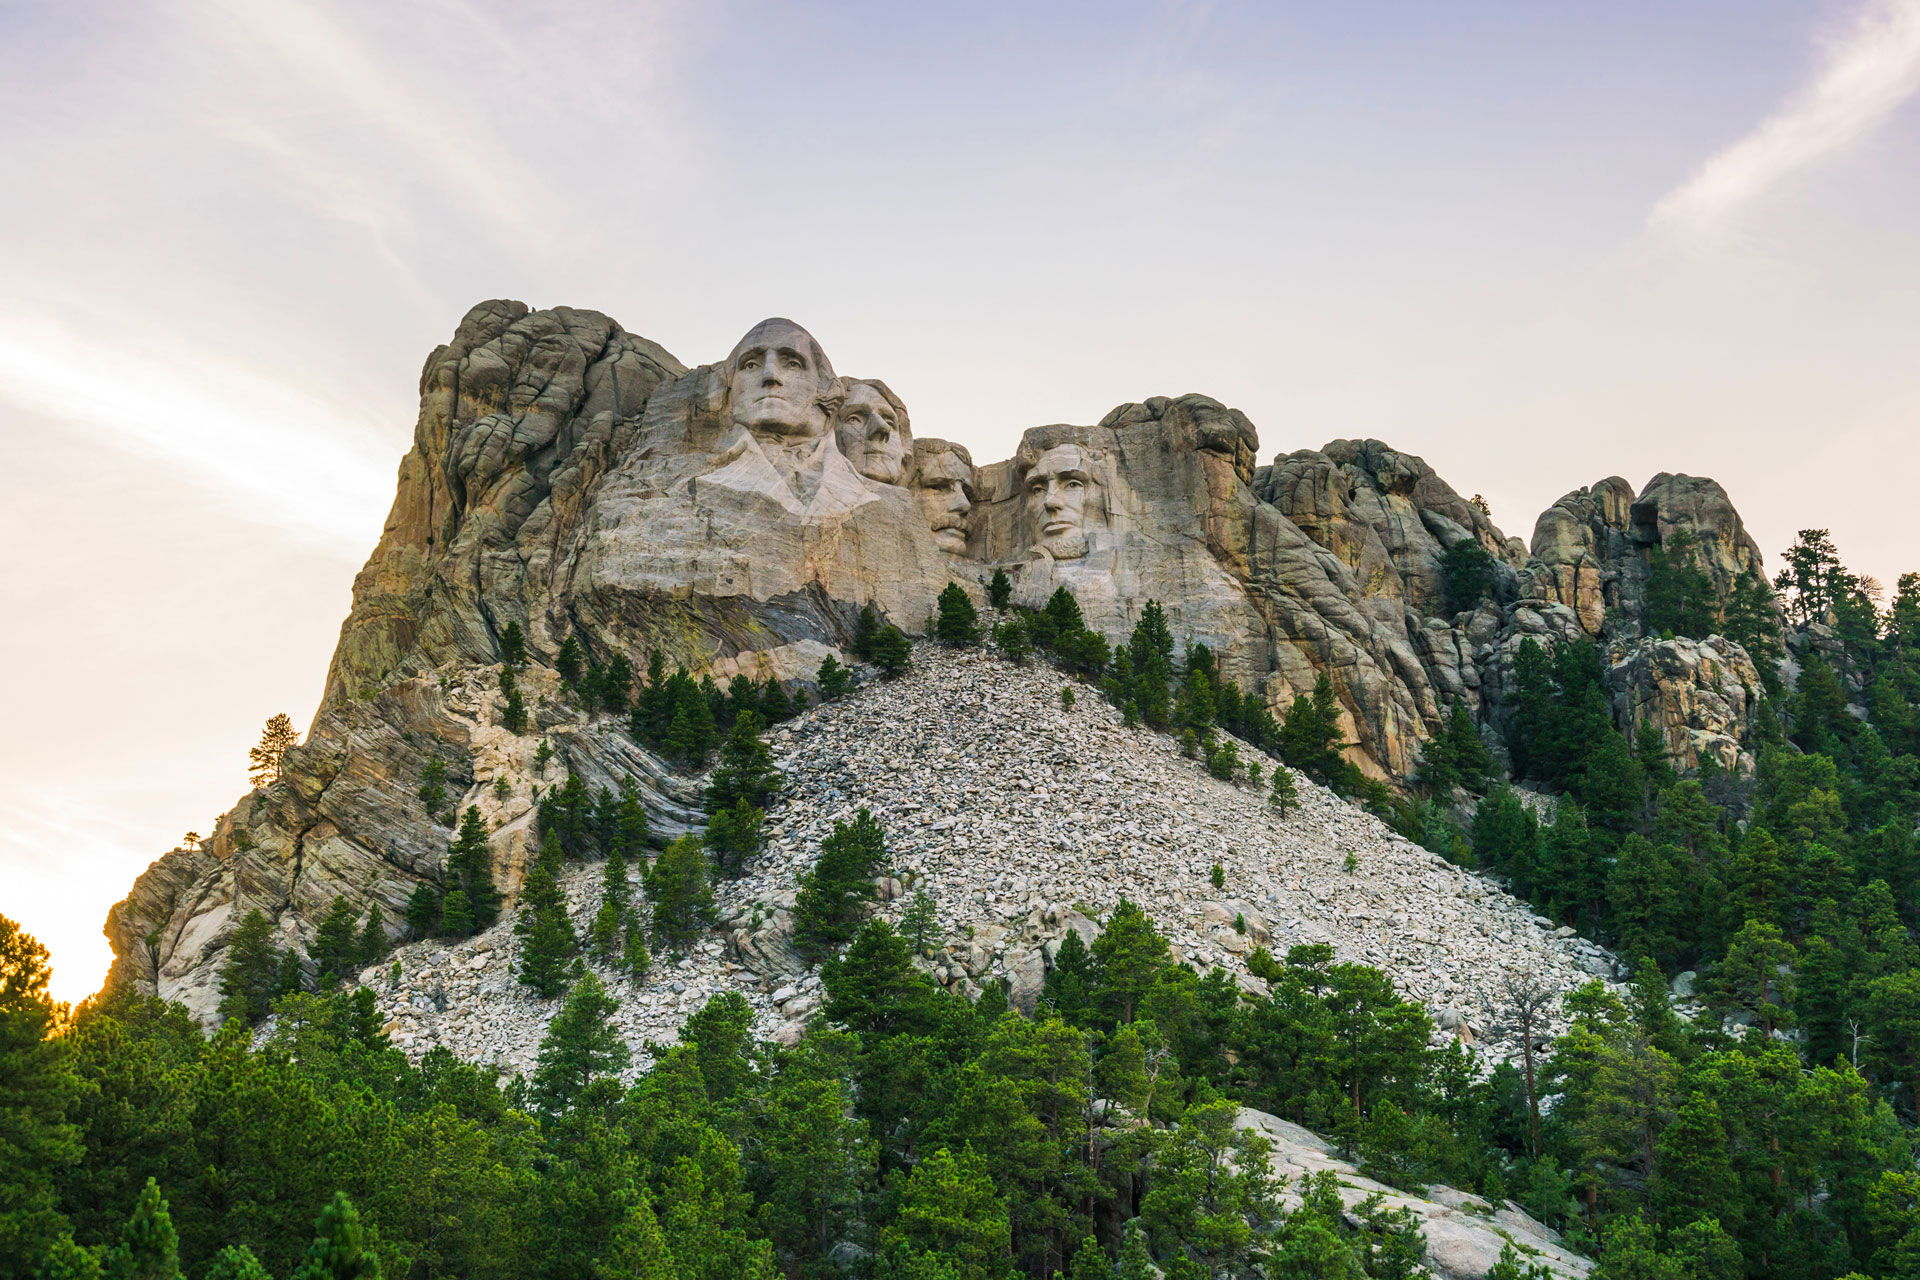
794 362
750 362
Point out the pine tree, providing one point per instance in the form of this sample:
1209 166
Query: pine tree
513 712
1136 1261
150 1248
1072 985
745 772
634 956
1127 957
616 900
1063 611
891 652
950 1210
37 1147
247 979
734 837
834 894
776 705
834 679
336 944
264 760
616 685
691 733
999 589
920 924
581 1043
570 660
470 859
342 1249
679 890
958 624
373 939
1011 637
1284 795
423 912
456 914
639 1251
547 942
513 645
1090 1262
289 974
1467 571
65 1260
235 1262
866 629
433 789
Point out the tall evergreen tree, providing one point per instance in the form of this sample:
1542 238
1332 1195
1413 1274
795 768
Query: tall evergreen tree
570 661
513 645
264 759
734 837
834 680
866 630
958 623
336 943
548 946
150 1248
247 979
745 772
37 1145
581 1044
834 894
891 652
999 589
342 1248
470 860
680 892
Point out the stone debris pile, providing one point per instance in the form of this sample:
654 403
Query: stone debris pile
1022 819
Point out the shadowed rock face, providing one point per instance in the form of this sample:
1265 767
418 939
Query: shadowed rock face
576 480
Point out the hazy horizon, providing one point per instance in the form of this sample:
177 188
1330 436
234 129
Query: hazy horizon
1535 248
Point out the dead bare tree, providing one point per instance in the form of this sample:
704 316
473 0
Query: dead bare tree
1527 1000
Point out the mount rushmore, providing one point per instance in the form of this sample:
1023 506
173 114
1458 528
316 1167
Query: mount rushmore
577 481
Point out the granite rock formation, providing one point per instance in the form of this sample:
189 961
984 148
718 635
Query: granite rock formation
578 481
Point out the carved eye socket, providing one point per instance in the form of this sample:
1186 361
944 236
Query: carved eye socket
794 362
750 362
1074 484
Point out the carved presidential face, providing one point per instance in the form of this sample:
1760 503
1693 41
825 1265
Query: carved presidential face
778 380
946 495
872 432
1062 501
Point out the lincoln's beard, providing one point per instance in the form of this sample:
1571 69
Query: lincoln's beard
1071 545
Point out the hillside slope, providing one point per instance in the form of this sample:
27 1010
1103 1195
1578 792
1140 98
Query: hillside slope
1022 819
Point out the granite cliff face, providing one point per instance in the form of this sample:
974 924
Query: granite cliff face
578 481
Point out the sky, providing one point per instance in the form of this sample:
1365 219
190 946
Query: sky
1537 245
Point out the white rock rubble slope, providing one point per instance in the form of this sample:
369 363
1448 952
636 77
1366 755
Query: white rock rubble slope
1022 818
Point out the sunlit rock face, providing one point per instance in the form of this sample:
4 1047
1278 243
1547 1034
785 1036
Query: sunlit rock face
579 481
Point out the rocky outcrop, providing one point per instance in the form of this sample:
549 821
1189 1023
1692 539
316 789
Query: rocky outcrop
577 481
1464 1234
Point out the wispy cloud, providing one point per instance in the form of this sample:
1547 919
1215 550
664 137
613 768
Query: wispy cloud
279 456
333 64
1866 71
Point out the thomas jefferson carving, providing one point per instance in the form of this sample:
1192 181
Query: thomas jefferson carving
873 432
947 487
